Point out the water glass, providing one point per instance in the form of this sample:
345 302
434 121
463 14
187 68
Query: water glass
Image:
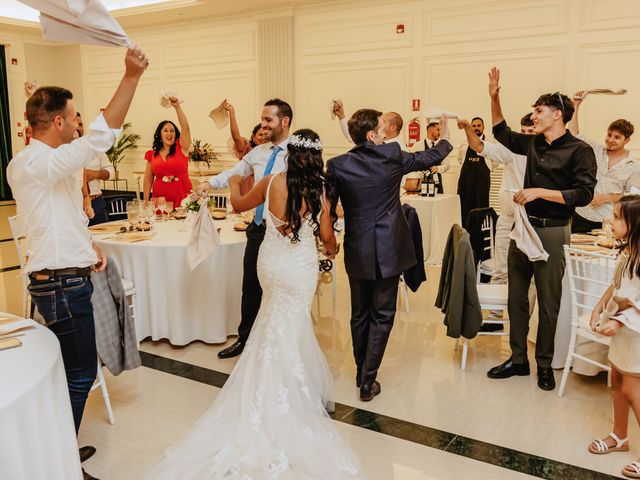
132 212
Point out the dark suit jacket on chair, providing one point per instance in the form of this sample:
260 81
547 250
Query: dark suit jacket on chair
367 181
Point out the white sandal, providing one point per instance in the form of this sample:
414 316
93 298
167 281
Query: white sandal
635 466
600 447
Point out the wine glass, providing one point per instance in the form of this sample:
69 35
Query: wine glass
132 212
160 204
146 211
169 208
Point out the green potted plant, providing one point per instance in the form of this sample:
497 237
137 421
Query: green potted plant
126 141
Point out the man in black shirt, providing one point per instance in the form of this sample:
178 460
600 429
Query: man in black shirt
560 175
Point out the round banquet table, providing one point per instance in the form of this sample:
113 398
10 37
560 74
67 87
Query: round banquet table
172 301
437 215
37 434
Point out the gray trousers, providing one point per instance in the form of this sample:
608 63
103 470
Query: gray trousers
548 279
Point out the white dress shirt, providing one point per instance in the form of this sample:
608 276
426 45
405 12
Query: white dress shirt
419 147
462 152
254 163
617 180
99 162
512 174
47 187
344 128
399 141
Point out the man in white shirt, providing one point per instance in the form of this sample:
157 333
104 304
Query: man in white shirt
617 171
266 159
100 168
47 187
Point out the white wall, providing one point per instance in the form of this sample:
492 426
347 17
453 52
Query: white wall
350 50
354 53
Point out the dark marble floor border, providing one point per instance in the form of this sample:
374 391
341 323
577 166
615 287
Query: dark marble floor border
503 457
10 269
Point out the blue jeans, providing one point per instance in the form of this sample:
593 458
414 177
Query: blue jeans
100 210
65 304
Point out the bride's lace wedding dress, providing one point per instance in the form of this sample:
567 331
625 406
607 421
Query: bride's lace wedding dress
269 421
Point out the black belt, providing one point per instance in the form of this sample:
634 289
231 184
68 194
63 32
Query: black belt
548 222
61 272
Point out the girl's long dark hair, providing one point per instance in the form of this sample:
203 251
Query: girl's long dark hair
305 184
157 138
630 213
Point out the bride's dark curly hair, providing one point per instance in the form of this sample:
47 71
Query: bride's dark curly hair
157 138
305 183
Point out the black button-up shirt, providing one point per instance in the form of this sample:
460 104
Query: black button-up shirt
567 164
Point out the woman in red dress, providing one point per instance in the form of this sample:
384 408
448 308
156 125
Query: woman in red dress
167 170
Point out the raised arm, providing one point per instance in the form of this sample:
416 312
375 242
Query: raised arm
185 131
238 140
474 141
338 110
434 156
494 93
574 125
136 63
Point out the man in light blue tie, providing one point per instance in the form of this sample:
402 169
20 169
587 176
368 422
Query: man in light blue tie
266 159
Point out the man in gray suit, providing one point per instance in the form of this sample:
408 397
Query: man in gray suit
377 242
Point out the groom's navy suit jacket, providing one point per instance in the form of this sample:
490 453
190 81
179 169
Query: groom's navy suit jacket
367 181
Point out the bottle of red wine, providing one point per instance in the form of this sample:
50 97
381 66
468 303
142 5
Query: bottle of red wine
424 186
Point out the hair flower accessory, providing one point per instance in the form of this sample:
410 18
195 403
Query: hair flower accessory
302 142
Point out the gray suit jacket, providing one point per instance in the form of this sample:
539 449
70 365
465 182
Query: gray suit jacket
458 293
115 330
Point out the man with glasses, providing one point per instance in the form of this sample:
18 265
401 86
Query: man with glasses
560 175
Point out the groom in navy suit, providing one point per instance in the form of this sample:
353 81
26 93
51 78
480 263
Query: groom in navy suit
377 241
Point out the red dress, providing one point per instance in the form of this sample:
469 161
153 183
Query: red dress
175 172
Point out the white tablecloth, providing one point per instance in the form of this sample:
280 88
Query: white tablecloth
174 302
37 435
437 215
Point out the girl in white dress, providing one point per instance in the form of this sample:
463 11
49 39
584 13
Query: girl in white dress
270 421
617 315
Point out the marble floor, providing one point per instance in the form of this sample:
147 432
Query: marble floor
432 420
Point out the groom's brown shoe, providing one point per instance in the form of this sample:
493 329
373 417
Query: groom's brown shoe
232 351
367 392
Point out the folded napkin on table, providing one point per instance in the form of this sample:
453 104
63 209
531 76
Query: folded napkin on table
204 238
165 96
79 21
526 237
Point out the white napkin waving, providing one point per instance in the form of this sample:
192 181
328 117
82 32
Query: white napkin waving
79 21
605 91
165 96
204 238
435 112
331 104
220 116
30 87
526 237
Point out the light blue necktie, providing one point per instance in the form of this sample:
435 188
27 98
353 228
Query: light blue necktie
267 171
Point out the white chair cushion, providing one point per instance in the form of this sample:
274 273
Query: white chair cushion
492 294
127 284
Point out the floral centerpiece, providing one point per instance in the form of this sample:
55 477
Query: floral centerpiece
193 202
201 152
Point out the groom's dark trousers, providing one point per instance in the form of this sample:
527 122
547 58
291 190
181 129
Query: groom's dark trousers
377 242
251 289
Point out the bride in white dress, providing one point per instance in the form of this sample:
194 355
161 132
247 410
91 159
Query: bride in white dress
269 422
